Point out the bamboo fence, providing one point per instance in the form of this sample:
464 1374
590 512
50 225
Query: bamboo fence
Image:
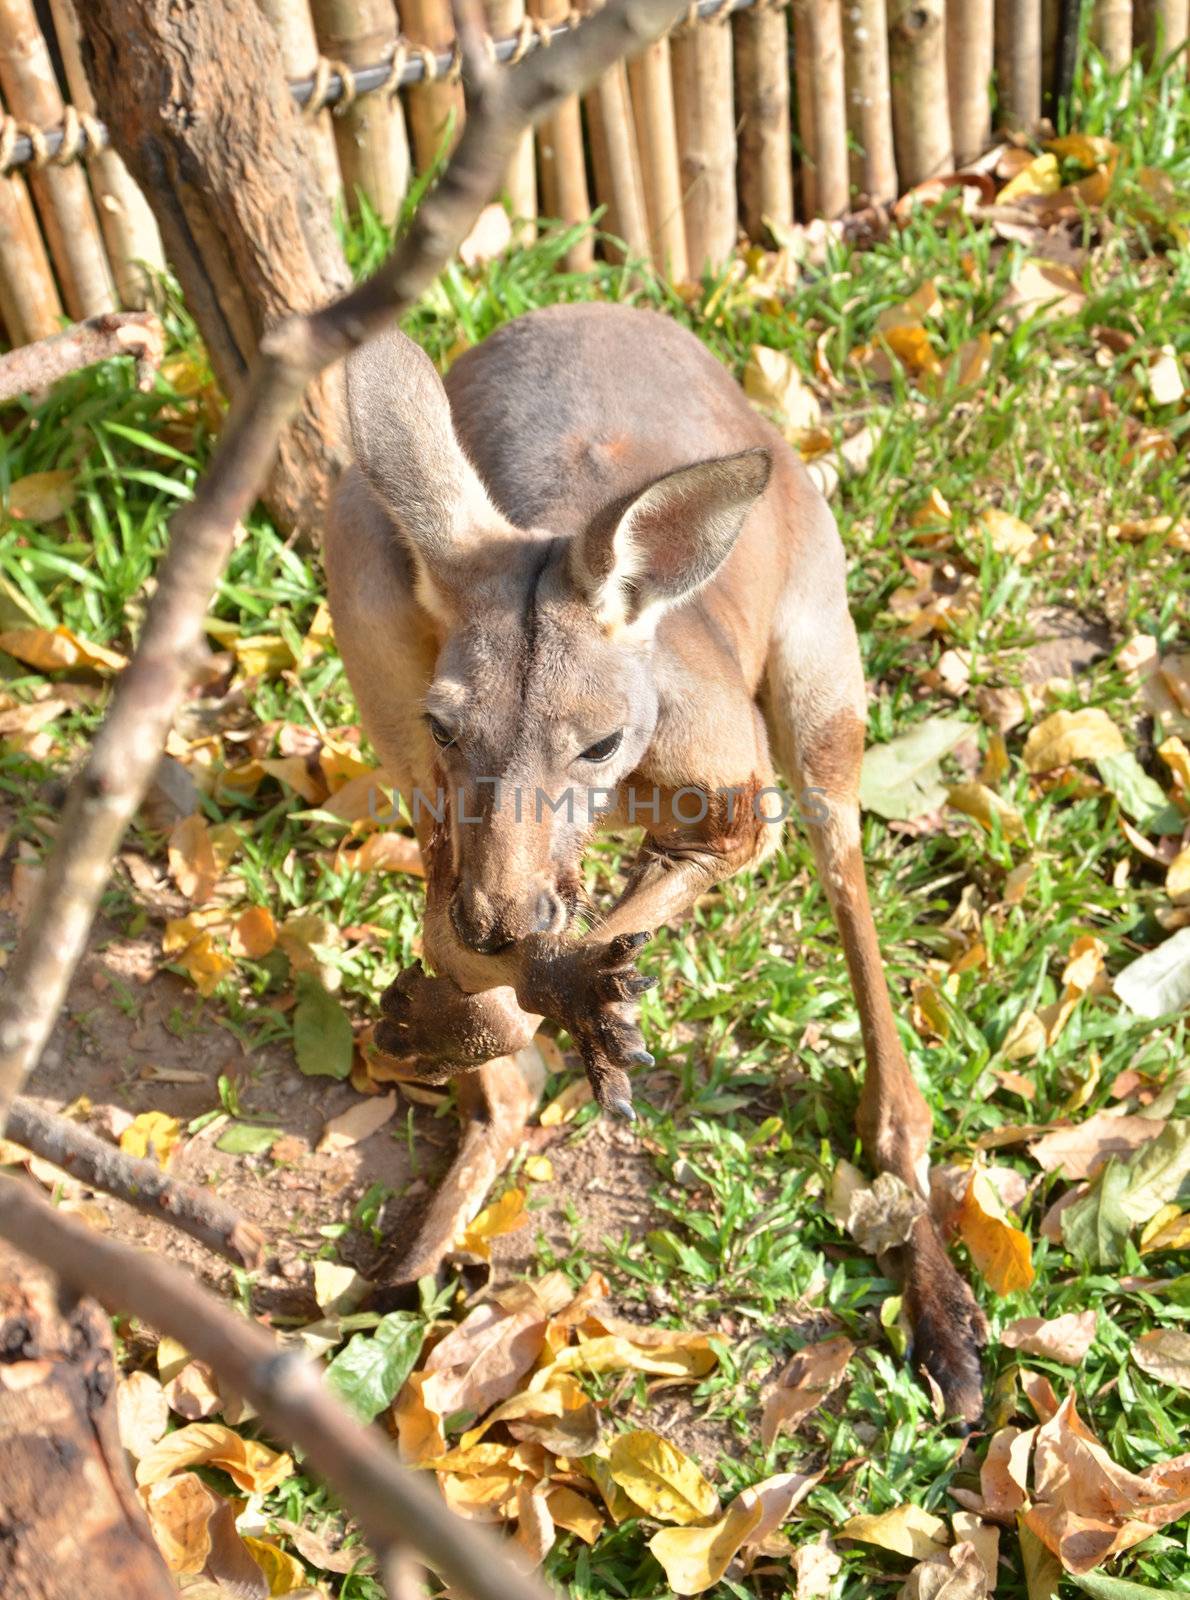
752 114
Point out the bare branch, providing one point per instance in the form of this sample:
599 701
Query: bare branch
107 791
394 1506
139 1183
127 333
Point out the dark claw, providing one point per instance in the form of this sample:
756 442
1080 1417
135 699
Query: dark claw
627 944
623 1108
640 982
640 1058
390 1037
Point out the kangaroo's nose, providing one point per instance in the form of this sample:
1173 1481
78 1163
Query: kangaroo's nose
477 924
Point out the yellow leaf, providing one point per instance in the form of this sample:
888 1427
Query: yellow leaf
505 1215
985 805
388 852
254 934
294 772
320 634
263 656
567 1105
192 861
1002 1253
970 361
1177 758
538 1169
180 1511
1169 1229
341 763
772 381
934 508
41 496
192 948
696 1558
171 1358
52 649
420 1434
151 1134
1068 736
907 1530
1024 1038
284 1573
251 1466
1177 879
1008 535
910 343
662 1481
575 1513
1041 176
922 303
142 1412
1087 149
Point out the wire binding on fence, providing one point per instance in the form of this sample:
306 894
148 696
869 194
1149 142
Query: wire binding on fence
333 84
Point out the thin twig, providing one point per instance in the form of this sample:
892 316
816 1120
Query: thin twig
393 1505
140 1183
126 333
109 788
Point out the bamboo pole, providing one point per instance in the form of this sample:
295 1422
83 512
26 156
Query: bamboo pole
129 227
294 26
506 20
432 104
615 159
1018 63
869 99
821 106
563 162
1111 29
969 61
61 192
1051 27
29 299
651 83
921 107
1162 26
369 131
765 156
705 120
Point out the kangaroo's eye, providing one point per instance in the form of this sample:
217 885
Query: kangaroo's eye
441 734
605 749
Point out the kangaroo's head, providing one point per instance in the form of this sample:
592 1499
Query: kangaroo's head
547 685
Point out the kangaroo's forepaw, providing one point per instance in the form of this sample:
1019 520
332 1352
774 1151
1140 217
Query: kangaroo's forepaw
948 1326
591 989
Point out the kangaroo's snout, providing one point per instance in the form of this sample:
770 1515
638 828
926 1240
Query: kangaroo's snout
489 923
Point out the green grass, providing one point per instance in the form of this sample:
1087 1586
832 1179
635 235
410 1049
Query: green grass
746 1121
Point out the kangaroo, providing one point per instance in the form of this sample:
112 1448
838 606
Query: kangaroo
581 585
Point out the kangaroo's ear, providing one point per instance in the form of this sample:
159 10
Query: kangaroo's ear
668 540
405 445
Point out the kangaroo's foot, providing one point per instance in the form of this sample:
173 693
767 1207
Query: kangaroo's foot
948 1325
591 989
438 1030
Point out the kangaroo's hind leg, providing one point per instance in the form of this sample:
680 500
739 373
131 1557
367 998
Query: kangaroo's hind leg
814 702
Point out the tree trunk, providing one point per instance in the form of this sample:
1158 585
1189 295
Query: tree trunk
762 117
197 103
821 106
869 99
70 1521
921 106
294 26
969 60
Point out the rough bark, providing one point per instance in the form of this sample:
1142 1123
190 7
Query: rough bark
762 117
292 23
869 99
70 1522
197 103
705 116
821 106
921 108
969 60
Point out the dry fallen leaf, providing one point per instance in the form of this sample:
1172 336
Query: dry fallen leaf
1068 736
814 1567
254 934
54 649
151 1135
142 1412
660 1478
954 1574
180 1510
809 1377
1066 1338
192 861
881 1216
483 1359
987 807
908 1530
1079 1151
503 1216
1001 1252
772 381
575 1513
695 1558
1164 1353
357 1123
1085 1506
1008 535
194 1392
41 496
252 1466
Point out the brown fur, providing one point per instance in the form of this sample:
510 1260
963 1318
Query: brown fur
600 536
